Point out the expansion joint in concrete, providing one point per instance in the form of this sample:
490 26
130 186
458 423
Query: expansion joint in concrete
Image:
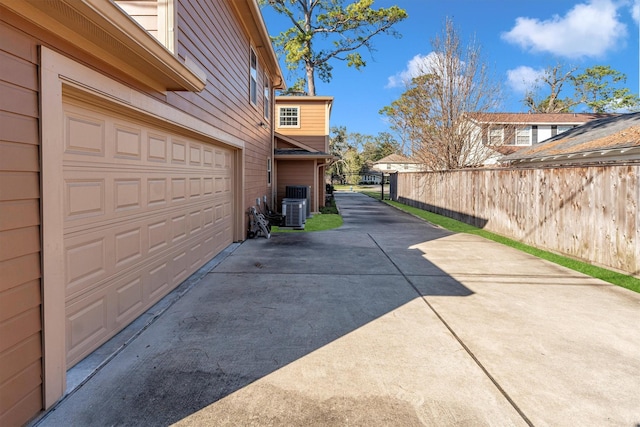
457 338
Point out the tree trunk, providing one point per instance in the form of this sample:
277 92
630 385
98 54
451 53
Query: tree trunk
311 82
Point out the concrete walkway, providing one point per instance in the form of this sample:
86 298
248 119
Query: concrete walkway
387 321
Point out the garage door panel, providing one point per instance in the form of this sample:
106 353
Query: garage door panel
128 247
87 324
130 300
84 134
127 194
85 261
157 282
144 209
156 148
128 142
84 197
95 254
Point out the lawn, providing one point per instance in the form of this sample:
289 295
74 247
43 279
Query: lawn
318 222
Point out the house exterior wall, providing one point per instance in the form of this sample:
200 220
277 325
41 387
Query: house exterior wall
539 134
317 142
20 250
225 100
399 167
298 172
314 121
212 36
544 132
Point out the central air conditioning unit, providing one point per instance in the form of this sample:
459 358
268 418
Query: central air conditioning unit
300 192
294 211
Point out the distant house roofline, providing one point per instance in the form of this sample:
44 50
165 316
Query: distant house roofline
607 139
396 158
538 118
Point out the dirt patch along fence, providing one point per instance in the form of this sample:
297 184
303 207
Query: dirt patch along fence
588 212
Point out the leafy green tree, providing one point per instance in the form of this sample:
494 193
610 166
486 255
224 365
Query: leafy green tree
348 28
598 88
356 152
338 147
353 164
379 146
295 89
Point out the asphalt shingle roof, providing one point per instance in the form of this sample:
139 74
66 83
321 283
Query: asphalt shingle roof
620 131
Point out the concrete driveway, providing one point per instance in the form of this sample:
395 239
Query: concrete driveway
387 321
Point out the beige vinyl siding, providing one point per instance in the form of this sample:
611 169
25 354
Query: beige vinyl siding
312 118
313 123
295 172
20 244
317 142
211 35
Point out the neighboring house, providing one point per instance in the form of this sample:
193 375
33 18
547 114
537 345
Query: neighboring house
135 135
398 163
507 133
302 145
371 177
607 140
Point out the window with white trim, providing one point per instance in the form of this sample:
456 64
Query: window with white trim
267 98
289 117
253 78
496 135
564 128
523 135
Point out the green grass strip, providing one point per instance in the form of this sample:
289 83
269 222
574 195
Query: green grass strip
619 279
318 222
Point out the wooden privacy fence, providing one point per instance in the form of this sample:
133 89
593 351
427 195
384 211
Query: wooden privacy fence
587 212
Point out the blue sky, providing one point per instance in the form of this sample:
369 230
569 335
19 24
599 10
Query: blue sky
518 39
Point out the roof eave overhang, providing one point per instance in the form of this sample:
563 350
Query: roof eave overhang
618 154
310 156
103 30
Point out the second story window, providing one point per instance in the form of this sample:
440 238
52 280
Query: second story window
267 98
496 136
523 135
253 79
289 117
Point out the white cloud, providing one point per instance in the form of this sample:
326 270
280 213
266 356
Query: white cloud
587 30
635 11
416 66
523 78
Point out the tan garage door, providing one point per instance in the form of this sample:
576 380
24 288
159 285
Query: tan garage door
143 209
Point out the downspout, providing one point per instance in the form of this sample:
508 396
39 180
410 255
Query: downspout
317 195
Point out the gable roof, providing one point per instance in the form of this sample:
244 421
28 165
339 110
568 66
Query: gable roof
607 139
538 118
